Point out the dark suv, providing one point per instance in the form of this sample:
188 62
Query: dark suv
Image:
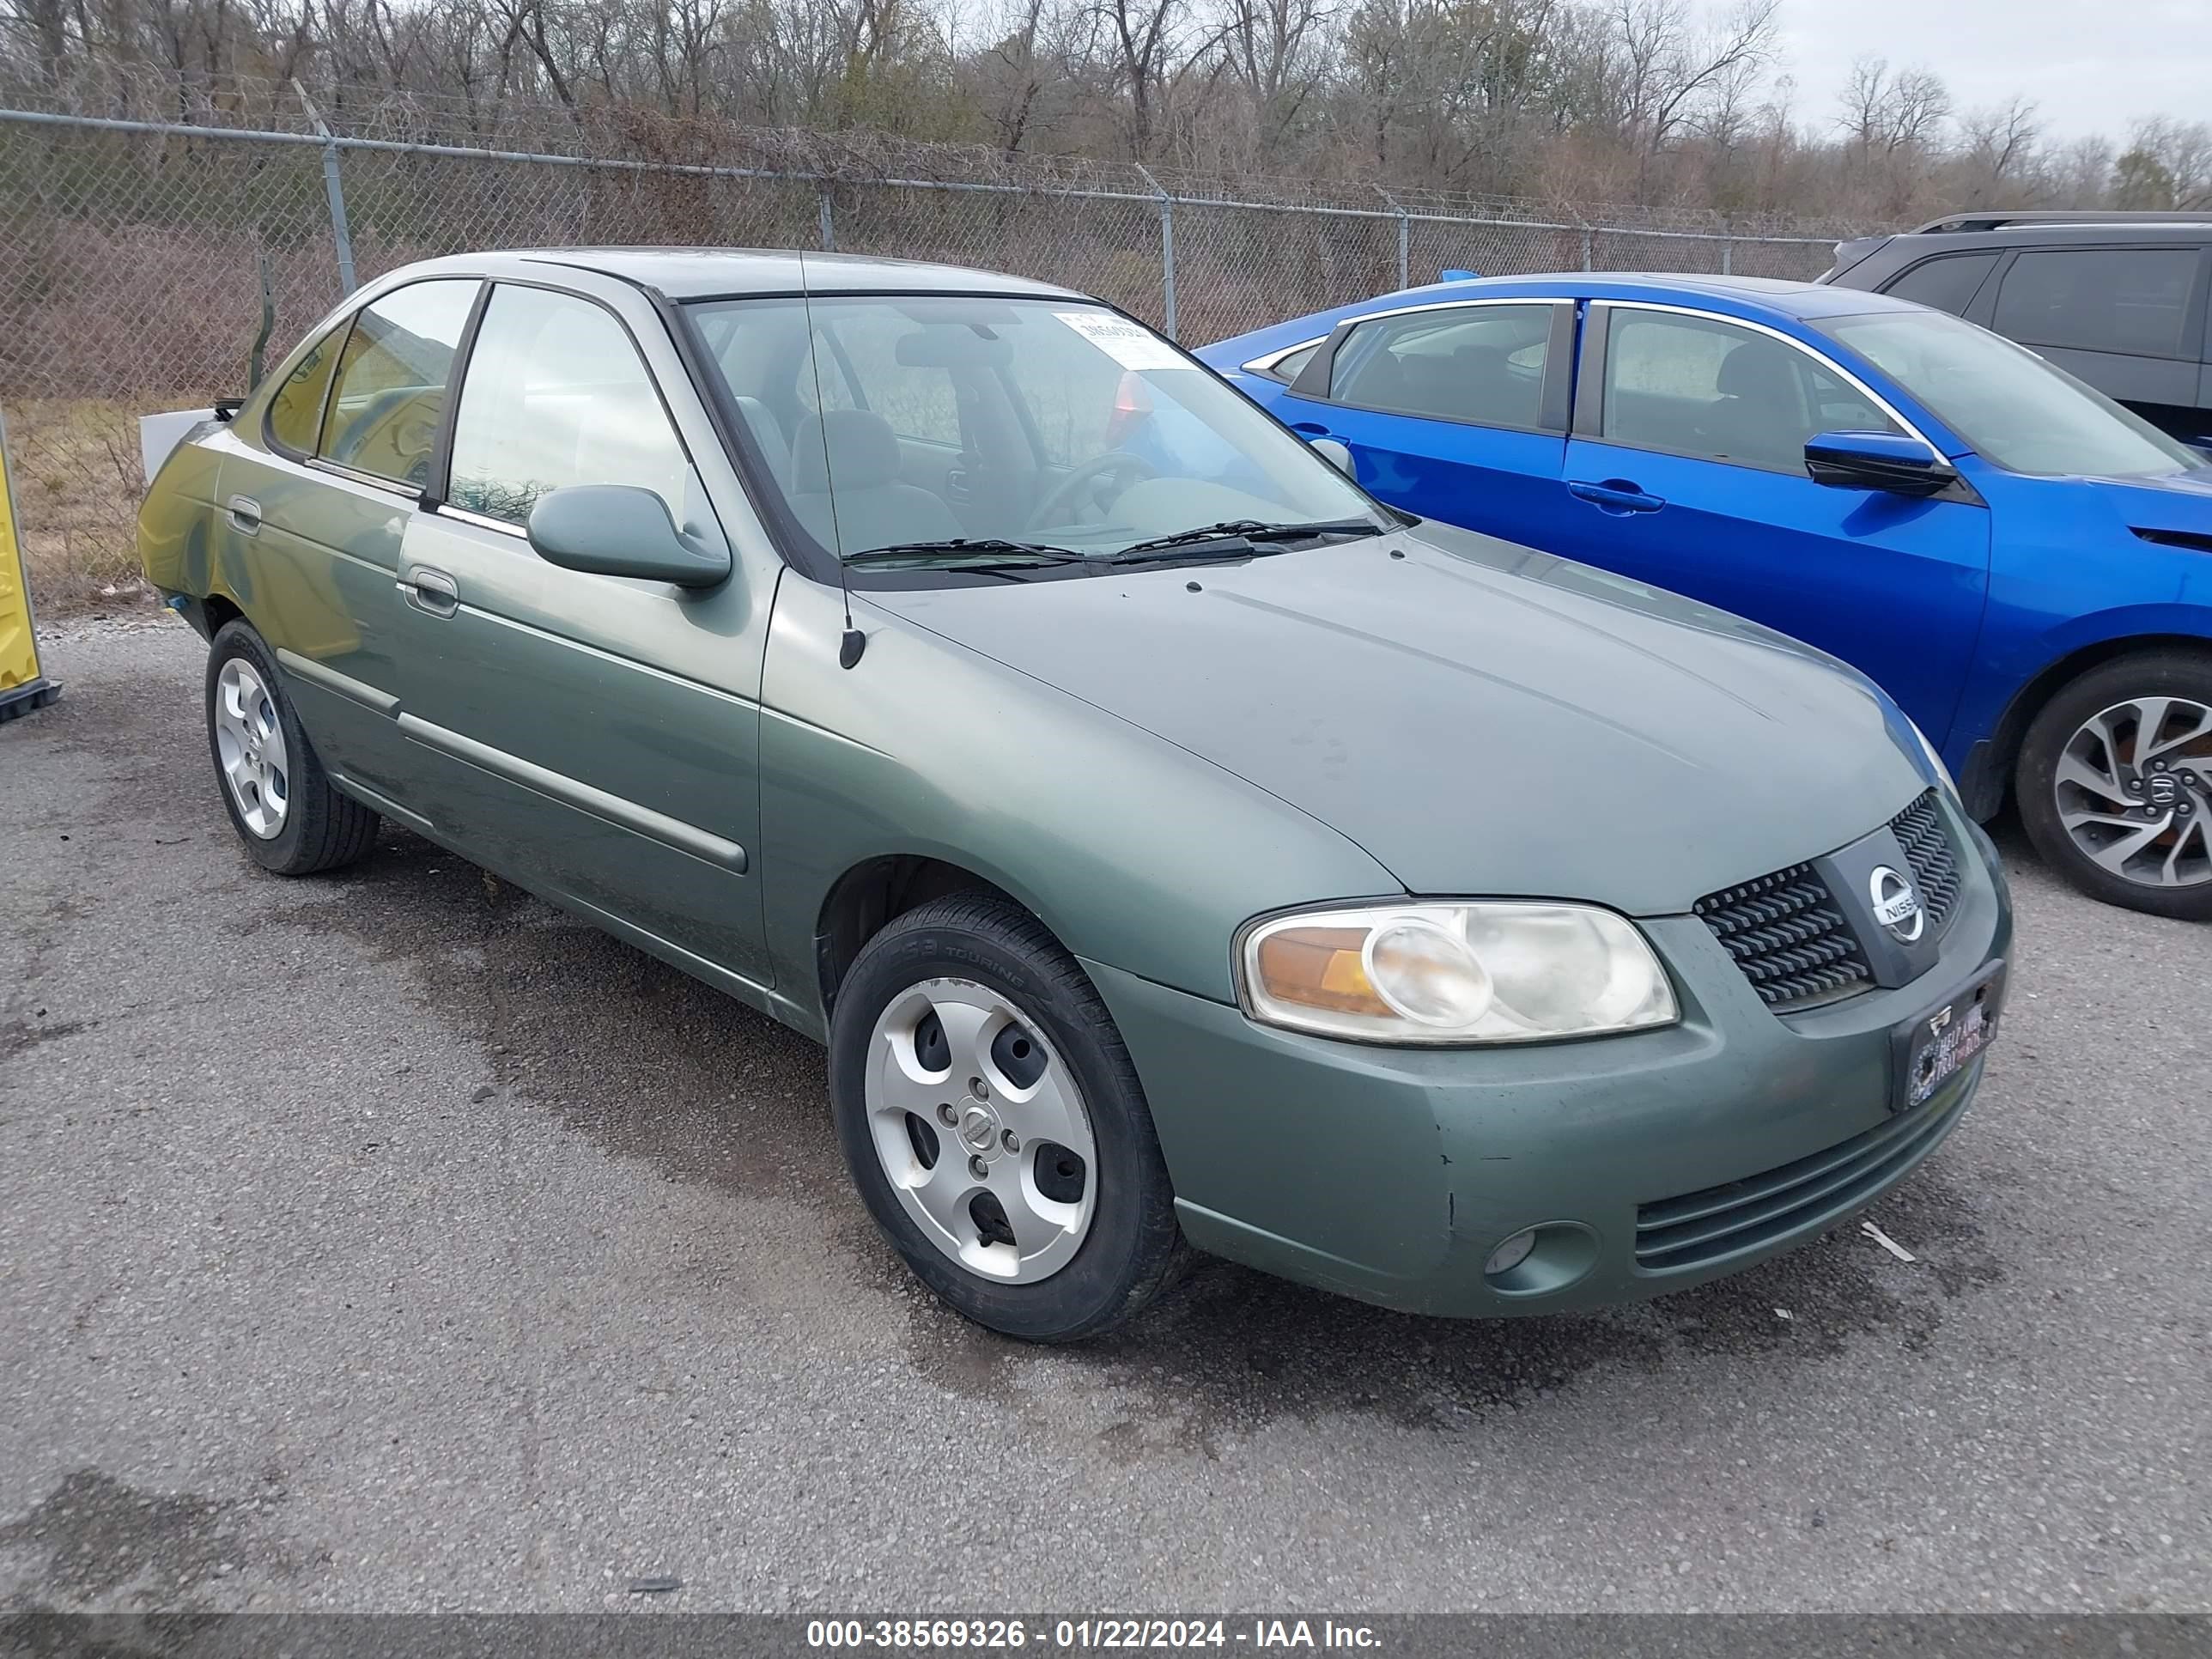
2115 299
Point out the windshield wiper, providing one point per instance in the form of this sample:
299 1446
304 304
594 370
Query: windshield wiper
1239 536
981 553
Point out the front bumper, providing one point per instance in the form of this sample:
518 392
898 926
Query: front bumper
1391 1173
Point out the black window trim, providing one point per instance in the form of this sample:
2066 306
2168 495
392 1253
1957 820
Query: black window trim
1590 402
1316 382
2196 346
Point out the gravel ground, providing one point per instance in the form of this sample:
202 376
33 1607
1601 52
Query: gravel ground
389 1241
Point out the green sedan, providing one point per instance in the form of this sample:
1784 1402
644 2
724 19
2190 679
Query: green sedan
1176 847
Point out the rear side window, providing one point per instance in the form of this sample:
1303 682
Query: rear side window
1483 364
391 379
556 395
2134 301
1948 284
298 405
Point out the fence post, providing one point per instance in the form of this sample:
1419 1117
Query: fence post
1404 238
824 214
1167 252
1728 256
341 234
1587 250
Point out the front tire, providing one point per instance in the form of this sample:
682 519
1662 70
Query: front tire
2115 783
288 816
995 1126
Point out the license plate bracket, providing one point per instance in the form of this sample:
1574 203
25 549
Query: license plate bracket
1937 1044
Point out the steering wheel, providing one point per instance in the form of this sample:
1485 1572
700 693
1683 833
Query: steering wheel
1069 493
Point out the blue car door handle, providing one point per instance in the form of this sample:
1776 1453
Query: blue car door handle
1615 496
1309 429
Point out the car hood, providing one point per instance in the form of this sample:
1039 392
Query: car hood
1479 718
2179 501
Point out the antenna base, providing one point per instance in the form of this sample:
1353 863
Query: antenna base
850 647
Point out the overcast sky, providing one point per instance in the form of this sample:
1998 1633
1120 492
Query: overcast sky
2093 65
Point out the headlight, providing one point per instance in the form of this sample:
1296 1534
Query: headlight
1453 973
1934 759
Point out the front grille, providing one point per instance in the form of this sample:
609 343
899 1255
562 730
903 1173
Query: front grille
1697 1228
1919 830
1787 934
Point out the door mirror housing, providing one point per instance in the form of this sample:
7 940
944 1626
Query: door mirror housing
1877 460
621 530
1338 454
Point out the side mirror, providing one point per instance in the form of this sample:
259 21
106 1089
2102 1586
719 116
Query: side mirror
1876 460
620 530
1337 454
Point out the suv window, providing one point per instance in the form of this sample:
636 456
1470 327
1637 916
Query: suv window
1484 364
556 395
1722 393
1948 283
2118 299
391 392
298 405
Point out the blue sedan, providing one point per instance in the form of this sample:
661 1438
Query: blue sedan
2024 565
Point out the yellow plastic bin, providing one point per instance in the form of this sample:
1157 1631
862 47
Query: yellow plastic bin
22 687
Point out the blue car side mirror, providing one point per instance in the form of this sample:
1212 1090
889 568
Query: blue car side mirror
1877 460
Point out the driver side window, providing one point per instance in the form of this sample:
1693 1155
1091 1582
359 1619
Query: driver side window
1688 386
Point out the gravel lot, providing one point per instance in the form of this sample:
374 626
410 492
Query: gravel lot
390 1241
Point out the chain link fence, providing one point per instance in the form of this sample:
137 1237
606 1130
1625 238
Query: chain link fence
148 264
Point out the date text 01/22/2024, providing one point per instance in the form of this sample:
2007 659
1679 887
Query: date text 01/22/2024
987 1635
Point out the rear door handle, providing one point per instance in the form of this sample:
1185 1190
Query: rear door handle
1615 496
1311 430
431 591
245 514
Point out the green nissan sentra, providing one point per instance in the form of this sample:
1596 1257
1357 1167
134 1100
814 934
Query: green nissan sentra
1174 845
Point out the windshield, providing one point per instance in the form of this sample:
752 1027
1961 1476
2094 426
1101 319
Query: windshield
2014 408
1008 430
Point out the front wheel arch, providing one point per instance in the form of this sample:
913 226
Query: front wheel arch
1988 779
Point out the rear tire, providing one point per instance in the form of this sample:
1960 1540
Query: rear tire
1048 1234
288 816
2124 814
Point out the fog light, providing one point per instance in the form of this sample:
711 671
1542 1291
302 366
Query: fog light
1510 1254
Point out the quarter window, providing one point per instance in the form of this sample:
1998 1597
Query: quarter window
298 405
391 393
1722 393
1483 364
1948 284
556 395
2129 300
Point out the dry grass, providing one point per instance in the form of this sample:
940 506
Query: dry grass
75 468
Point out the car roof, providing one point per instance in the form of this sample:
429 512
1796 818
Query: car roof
695 273
2193 228
1748 296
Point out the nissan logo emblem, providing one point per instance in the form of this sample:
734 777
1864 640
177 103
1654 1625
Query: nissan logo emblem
1896 904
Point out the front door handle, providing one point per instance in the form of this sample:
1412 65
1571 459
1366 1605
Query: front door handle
1309 429
1615 496
431 591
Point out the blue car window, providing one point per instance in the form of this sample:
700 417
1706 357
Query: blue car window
1694 386
1482 364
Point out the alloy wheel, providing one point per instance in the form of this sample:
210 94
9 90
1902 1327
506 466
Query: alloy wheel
2134 791
249 741
981 1129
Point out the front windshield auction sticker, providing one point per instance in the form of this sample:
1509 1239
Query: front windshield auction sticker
1130 344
